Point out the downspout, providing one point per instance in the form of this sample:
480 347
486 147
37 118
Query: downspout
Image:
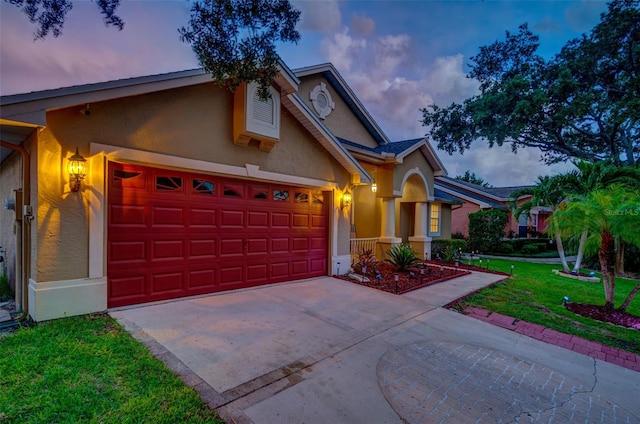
25 233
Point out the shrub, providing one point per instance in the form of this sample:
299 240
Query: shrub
402 256
486 229
448 250
530 249
366 259
458 236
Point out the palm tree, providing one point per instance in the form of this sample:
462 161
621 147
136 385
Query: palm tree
548 192
607 214
590 176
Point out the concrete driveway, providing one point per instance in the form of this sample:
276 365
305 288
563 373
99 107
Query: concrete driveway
328 351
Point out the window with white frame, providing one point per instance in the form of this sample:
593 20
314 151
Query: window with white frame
434 219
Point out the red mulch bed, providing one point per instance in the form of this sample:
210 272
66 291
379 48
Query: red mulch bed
406 281
622 319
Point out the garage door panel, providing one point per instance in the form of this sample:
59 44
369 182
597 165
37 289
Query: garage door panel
162 282
299 267
318 243
127 216
202 217
299 244
232 275
257 246
126 287
280 270
317 267
258 220
231 219
318 221
199 279
258 273
280 245
202 248
173 234
300 220
232 247
280 219
127 251
167 216
162 250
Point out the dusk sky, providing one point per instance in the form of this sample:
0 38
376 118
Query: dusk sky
397 56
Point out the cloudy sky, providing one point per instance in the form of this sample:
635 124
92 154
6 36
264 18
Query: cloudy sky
398 56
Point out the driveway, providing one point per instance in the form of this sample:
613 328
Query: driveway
328 351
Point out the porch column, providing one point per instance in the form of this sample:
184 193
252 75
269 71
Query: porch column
387 227
421 242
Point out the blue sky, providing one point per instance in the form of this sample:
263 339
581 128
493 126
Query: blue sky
397 56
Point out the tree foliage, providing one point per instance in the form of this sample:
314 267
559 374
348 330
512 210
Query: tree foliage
582 103
471 177
235 39
50 15
486 229
607 214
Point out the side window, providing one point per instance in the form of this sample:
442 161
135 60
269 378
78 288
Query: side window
434 219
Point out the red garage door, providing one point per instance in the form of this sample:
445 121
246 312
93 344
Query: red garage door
174 234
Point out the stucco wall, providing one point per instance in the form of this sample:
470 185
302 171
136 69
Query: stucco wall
342 122
460 218
367 215
408 165
445 224
10 175
191 122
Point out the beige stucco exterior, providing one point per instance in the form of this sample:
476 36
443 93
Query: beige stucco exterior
191 122
342 121
193 126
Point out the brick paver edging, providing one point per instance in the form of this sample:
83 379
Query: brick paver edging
577 344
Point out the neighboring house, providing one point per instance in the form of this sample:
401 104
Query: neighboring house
474 197
193 189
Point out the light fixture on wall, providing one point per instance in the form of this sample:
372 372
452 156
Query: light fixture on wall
346 199
374 186
77 168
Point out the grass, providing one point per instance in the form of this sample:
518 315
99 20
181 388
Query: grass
535 295
89 369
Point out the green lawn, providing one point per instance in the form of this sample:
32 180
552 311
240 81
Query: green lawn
90 370
535 294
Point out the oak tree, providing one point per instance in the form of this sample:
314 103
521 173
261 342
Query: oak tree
582 103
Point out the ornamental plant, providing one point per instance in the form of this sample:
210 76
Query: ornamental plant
366 259
402 256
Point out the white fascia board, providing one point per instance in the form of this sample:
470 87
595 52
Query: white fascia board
433 156
483 205
299 109
479 192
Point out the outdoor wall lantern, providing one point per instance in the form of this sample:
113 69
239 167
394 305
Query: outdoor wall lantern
77 168
346 199
374 186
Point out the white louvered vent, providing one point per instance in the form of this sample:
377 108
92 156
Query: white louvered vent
262 110
263 116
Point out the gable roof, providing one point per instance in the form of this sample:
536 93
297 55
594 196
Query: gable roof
21 114
486 198
330 73
396 151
